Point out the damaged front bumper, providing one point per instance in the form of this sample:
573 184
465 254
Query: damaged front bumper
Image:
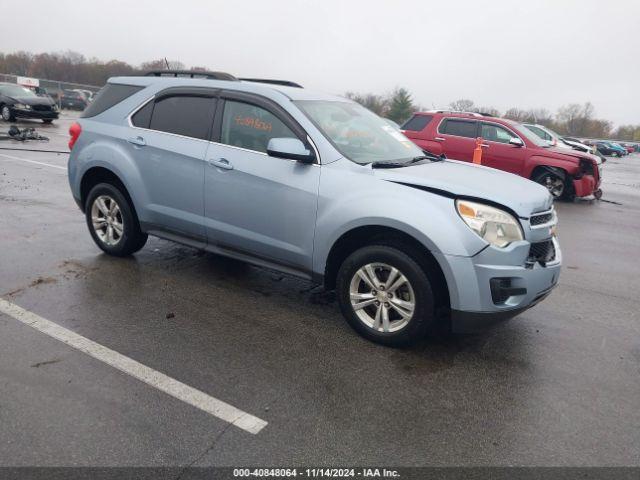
498 284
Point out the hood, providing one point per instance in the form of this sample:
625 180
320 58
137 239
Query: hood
575 154
33 100
522 196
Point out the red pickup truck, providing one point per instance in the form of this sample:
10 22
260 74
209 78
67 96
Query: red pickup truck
509 146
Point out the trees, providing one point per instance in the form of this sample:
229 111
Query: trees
161 64
462 105
397 106
400 105
516 114
73 67
492 111
466 105
541 116
578 120
533 115
573 118
376 103
628 132
16 63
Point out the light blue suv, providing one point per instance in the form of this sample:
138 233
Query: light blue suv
316 186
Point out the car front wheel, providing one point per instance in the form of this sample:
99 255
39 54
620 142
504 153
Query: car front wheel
556 184
7 116
385 295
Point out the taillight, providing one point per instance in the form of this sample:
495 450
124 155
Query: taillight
74 130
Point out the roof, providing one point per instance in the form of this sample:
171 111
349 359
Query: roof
265 89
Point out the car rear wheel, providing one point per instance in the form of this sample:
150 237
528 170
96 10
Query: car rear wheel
7 116
385 295
112 221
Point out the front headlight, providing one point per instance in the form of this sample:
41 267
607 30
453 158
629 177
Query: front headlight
22 106
496 226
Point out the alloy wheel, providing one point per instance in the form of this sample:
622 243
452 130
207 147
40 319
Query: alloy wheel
382 297
6 113
554 184
106 219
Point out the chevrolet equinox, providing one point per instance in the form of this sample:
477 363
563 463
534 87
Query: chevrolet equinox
316 186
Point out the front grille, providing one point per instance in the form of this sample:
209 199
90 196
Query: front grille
542 252
41 108
541 219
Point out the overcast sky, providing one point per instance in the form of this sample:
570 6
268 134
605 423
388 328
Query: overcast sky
497 53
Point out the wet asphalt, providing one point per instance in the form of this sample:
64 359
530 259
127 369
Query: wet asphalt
558 385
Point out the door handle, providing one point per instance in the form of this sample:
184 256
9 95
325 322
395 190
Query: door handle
222 163
139 141
439 139
486 145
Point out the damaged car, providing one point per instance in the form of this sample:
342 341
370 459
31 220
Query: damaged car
21 102
315 186
510 146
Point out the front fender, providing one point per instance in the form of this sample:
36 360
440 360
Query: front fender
348 201
568 165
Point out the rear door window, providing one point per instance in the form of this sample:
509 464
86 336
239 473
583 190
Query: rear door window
248 126
417 123
186 115
459 128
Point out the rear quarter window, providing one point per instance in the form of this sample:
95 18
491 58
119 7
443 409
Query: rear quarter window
417 123
142 118
459 128
108 96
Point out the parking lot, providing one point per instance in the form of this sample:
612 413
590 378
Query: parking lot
558 385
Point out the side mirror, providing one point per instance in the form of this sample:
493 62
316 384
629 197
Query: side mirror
290 148
516 142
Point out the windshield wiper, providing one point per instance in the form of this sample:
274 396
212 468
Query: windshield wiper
393 164
431 156
388 164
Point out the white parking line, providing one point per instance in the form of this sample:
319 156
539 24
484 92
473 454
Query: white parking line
11 157
158 380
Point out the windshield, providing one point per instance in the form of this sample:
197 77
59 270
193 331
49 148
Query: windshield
359 134
529 135
555 134
17 91
538 131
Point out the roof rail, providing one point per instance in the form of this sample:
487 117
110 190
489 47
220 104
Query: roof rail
445 110
271 81
191 74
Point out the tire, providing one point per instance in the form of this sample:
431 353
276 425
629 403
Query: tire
557 183
47 120
124 237
7 116
369 321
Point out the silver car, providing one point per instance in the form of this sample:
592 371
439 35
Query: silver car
316 186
